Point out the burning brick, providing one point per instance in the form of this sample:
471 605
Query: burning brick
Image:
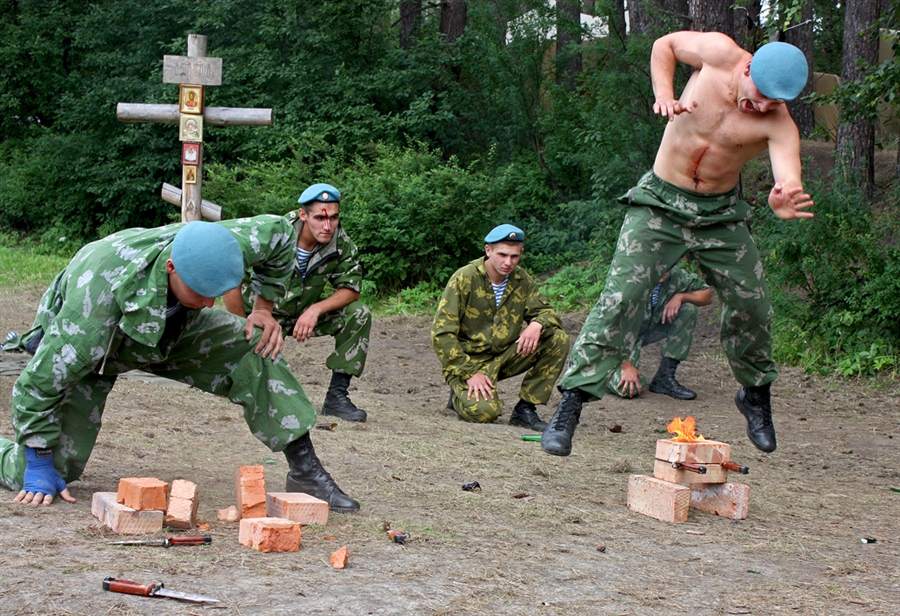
702 465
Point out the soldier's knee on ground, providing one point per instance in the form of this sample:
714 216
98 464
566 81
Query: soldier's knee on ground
483 411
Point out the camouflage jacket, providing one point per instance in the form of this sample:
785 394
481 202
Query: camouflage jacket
114 288
335 263
468 322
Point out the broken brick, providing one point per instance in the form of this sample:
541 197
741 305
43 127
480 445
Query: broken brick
184 499
270 534
251 492
339 559
229 514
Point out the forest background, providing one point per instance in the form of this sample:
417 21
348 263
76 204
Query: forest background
439 120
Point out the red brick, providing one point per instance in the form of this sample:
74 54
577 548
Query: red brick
302 508
729 500
251 492
182 488
270 534
143 493
124 520
184 499
339 558
700 452
662 500
665 472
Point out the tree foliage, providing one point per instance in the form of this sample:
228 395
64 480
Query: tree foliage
437 121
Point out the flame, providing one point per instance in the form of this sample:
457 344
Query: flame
684 430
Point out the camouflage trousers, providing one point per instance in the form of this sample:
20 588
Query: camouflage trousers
651 241
677 337
211 354
350 327
543 366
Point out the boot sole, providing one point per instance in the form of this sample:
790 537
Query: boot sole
522 424
360 420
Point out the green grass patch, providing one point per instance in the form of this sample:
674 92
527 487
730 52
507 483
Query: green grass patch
27 264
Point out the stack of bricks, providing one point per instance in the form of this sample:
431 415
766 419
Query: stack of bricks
671 491
270 522
144 504
138 507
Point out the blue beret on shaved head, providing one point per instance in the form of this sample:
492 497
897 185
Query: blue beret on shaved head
779 71
207 258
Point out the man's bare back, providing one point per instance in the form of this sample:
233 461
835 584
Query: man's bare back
721 121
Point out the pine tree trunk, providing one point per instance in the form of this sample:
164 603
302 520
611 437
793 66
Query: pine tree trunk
855 142
802 37
410 19
568 43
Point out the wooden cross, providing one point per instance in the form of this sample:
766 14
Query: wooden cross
193 72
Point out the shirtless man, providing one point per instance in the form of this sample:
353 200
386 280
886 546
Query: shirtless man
731 110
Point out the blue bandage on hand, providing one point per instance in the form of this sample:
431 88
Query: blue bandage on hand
40 475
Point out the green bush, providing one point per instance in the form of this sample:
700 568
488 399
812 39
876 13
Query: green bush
835 282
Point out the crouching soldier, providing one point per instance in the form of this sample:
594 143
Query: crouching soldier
492 323
671 316
325 255
142 299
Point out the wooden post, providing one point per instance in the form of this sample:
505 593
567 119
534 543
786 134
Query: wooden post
192 73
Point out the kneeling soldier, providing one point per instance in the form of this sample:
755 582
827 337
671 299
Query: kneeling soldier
671 316
492 323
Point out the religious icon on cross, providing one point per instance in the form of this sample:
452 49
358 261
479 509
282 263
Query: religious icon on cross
192 73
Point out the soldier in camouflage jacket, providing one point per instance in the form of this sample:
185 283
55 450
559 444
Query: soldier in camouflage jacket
670 315
142 299
326 257
493 323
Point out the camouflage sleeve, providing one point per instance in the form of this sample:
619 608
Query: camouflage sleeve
268 245
445 330
684 281
538 309
349 272
74 341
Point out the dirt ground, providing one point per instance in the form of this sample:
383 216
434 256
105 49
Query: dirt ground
573 548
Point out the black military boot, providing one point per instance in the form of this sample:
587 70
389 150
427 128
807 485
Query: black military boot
307 475
755 404
337 401
557 437
664 382
525 416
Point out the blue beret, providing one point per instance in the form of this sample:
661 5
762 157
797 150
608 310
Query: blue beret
326 193
505 233
779 71
208 258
